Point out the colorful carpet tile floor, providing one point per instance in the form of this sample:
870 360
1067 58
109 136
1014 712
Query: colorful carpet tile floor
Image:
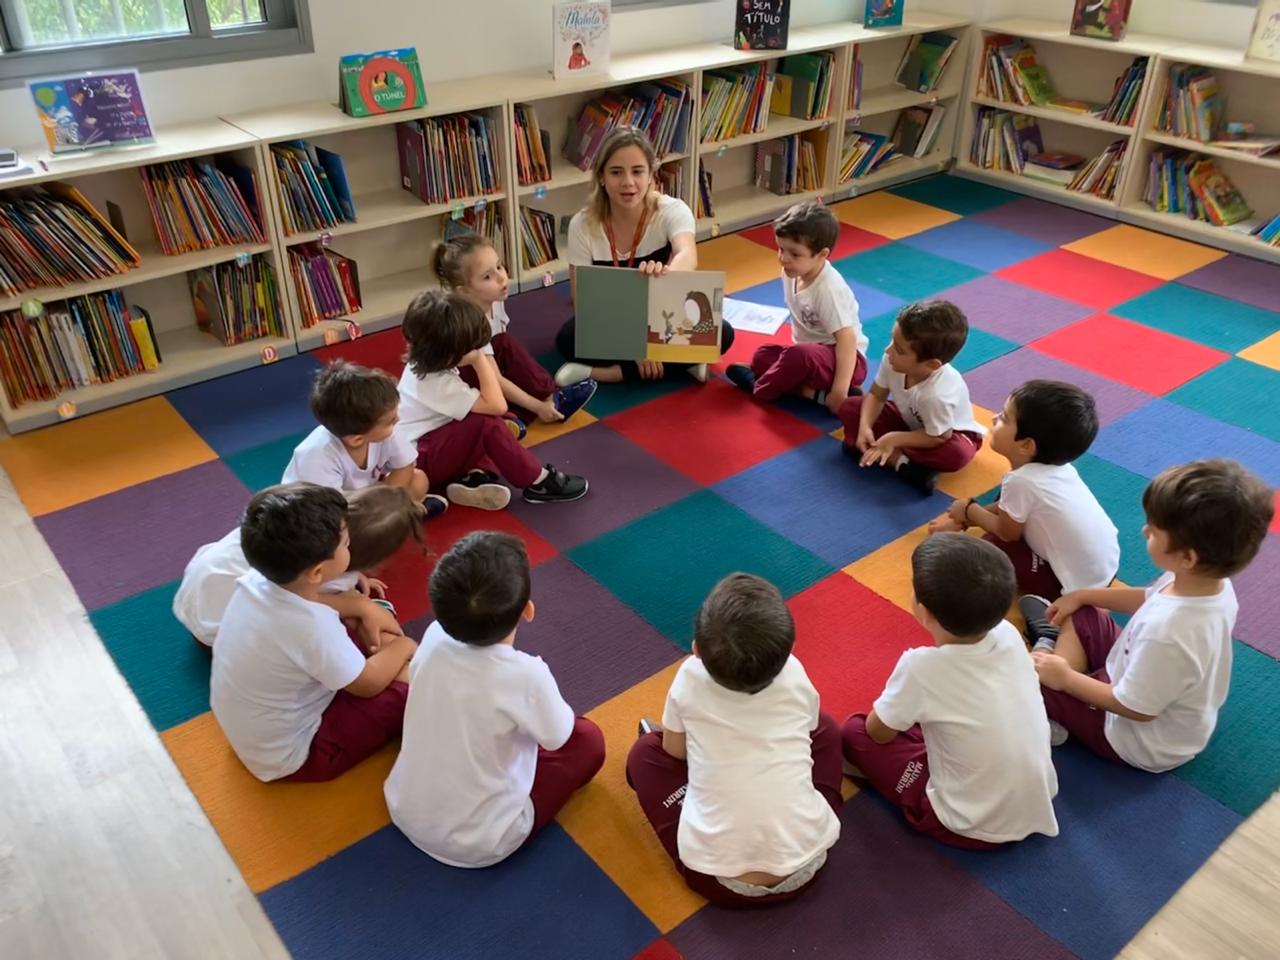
1177 342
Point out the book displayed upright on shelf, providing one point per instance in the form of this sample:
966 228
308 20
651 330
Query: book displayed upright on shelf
924 60
883 13
1264 41
537 237
236 303
761 24
917 130
91 110
735 102
624 315
1190 184
382 82
326 282
706 205
447 158
1101 19
802 86
661 109
580 39
314 192
1123 106
855 81
533 147
1193 106
790 164
195 205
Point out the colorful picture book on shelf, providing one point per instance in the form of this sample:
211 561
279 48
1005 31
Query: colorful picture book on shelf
197 205
382 82
917 130
580 39
1190 184
661 109
537 237
1123 106
1264 42
236 303
313 189
924 60
736 102
761 24
864 153
883 13
327 283
790 164
448 158
1193 106
91 110
802 86
1101 19
533 147
624 315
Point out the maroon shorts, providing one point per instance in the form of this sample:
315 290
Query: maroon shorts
1097 633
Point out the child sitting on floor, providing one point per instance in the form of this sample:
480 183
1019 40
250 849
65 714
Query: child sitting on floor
1149 695
491 751
470 265
379 520
458 428
918 420
356 444
959 739
827 360
1047 521
742 784
295 696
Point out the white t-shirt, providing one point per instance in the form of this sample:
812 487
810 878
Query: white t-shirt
991 776
277 662
324 459
936 404
1172 662
498 323
588 242
432 401
475 719
1065 524
751 804
823 308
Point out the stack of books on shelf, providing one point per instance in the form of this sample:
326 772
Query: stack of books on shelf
1243 138
917 130
314 193
533 147
1193 107
1100 175
237 302
196 205
671 179
924 60
75 343
706 208
537 237
1269 231
661 109
1191 184
1123 105
1053 166
864 153
447 158
326 282
53 237
788 165
735 102
802 86
855 82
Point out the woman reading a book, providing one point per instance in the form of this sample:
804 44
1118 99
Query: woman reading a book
627 222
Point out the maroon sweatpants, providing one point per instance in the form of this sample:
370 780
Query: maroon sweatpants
660 781
955 454
899 771
517 364
476 441
781 369
562 772
1097 633
1033 571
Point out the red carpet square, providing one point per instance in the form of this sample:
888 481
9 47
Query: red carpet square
1080 279
745 344
1130 353
711 433
852 239
382 351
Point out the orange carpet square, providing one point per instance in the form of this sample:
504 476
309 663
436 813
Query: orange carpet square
744 263
892 216
1154 254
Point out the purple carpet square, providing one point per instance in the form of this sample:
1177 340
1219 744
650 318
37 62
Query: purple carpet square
1047 222
1013 311
626 482
1256 589
884 894
978 244
1239 278
596 645
991 383
537 315
140 537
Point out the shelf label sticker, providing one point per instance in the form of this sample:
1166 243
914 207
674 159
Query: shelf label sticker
856 119
326 239
715 229
548 279
456 212
66 410
540 193
820 198
331 336
269 354
481 204
32 308
353 330
825 124
243 258
723 149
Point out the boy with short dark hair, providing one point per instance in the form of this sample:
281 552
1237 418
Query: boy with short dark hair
295 696
491 750
1149 695
959 739
918 419
826 360
742 786
1047 521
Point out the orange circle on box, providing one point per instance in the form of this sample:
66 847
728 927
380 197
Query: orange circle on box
370 71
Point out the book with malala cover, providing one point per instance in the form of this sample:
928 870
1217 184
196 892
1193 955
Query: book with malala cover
580 43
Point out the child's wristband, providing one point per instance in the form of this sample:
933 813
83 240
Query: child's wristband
971 501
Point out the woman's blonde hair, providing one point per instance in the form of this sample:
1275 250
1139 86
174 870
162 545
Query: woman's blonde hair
621 137
450 258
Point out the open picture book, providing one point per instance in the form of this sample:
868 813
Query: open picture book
624 315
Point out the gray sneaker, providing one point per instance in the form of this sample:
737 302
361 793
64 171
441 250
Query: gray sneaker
1041 634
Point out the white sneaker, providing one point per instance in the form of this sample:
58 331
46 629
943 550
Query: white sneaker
699 372
1057 734
572 373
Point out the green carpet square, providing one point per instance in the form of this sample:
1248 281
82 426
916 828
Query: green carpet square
614 398
167 669
1238 392
906 272
979 348
1214 321
664 564
955 194
1120 493
263 466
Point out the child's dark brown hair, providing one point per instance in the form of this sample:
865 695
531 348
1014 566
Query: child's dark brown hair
380 519
809 224
348 399
935 329
451 258
441 327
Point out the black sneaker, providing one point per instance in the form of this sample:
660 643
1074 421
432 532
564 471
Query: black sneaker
556 487
647 726
434 505
740 376
922 478
480 489
1042 634
569 400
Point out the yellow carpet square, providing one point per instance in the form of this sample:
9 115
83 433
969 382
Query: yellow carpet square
892 216
744 262
1154 254
540 432
984 471
1265 352
887 571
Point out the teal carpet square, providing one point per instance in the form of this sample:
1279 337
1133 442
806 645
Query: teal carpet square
263 466
905 272
167 669
1214 321
664 564
981 347
1240 768
955 194
1120 493
1238 392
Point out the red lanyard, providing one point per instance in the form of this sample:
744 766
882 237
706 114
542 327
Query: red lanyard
635 241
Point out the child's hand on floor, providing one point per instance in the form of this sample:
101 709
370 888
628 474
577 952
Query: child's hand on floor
1053 670
946 524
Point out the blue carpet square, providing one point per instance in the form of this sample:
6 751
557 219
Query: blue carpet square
1239 392
385 898
904 272
955 194
1120 493
978 245
1203 317
1128 840
263 466
822 500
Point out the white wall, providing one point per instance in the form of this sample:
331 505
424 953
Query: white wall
1198 21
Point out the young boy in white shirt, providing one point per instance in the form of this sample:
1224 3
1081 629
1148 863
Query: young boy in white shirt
959 739
742 784
491 750
295 695
917 420
1048 523
826 361
1149 695
356 444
